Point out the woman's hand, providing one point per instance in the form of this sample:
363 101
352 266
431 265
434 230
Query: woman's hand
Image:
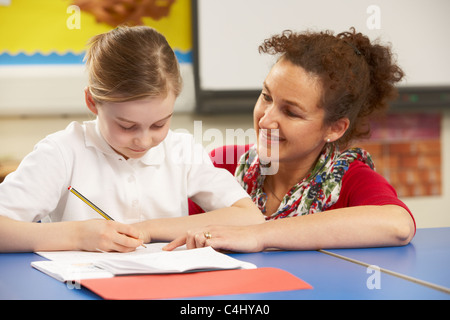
106 235
228 238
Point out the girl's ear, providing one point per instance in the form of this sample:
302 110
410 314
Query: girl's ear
337 129
90 102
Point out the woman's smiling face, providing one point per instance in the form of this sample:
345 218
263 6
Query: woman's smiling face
287 115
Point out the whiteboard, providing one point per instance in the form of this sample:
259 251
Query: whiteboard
230 31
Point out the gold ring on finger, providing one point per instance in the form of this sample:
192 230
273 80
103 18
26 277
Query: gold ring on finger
207 235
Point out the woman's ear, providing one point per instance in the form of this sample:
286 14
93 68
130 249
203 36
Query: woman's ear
90 102
337 129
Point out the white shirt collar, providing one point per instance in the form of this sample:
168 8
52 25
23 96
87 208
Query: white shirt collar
94 138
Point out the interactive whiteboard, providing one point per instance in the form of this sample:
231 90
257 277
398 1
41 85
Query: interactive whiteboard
228 33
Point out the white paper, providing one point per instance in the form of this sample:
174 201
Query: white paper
78 265
71 271
173 262
88 256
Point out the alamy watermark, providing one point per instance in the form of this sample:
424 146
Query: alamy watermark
267 142
74 20
374 20
374 280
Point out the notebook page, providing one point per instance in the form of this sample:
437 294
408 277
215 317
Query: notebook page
173 261
87 256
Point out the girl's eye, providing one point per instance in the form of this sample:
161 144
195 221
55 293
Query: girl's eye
127 128
160 125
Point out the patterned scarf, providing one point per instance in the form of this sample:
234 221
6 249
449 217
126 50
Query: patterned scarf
318 191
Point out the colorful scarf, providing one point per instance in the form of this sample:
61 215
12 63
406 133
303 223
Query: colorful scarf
318 191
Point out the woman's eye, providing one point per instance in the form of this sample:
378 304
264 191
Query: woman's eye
266 97
291 114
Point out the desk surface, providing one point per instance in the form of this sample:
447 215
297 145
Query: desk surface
427 258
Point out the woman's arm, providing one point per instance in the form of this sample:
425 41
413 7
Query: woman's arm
242 212
353 227
89 235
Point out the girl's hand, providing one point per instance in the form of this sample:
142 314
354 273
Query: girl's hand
106 235
228 238
144 232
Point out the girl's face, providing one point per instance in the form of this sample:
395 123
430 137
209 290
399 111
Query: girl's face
288 111
132 128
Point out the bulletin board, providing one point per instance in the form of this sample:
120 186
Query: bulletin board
229 71
56 31
42 46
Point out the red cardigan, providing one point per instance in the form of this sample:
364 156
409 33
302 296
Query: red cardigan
360 185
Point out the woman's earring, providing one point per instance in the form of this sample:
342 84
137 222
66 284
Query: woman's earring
328 140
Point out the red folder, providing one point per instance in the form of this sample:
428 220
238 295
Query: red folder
198 284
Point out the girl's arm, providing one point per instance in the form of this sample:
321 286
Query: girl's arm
242 212
89 235
353 227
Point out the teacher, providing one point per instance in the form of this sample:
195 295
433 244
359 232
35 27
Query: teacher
314 189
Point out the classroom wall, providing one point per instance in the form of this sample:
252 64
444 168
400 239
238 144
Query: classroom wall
434 211
53 90
414 159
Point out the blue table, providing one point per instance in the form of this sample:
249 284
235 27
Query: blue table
332 278
426 258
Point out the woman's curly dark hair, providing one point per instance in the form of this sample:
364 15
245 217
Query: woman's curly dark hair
358 76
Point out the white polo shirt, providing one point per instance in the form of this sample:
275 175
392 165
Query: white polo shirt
156 185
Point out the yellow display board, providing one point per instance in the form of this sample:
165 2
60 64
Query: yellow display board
49 27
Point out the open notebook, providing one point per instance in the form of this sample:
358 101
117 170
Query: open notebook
78 265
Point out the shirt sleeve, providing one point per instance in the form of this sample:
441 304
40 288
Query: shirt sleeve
361 186
34 189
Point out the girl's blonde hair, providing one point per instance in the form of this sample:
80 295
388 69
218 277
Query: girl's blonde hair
131 63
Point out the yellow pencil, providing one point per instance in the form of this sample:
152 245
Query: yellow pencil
90 204
93 206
